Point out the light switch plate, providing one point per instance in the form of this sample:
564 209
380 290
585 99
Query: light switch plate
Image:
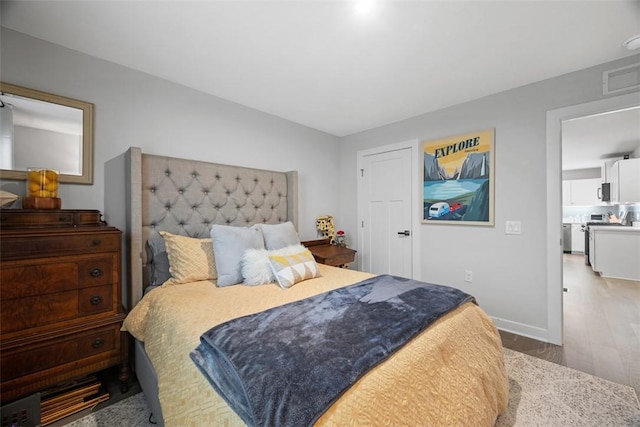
513 227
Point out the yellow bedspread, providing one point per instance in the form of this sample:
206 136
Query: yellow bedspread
451 374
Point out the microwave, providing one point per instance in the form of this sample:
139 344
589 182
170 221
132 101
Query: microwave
597 217
604 192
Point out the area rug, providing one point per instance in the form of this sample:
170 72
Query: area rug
541 394
545 394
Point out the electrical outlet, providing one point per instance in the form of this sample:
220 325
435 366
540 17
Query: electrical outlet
468 276
513 227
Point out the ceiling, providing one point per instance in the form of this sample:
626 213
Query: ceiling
588 141
328 66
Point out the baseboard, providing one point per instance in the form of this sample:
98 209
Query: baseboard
522 329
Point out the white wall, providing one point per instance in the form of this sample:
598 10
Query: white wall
582 174
62 154
136 109
509 271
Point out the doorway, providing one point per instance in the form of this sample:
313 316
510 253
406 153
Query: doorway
388 229
554 200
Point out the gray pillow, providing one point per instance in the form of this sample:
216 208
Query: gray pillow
158 261
278 236
229 243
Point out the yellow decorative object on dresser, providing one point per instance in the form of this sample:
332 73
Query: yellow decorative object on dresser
42 189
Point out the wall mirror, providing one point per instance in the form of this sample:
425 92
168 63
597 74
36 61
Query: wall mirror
42 130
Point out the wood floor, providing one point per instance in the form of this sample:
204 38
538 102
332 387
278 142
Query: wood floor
601 326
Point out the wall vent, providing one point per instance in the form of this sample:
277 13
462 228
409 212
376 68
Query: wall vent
23 412
621 79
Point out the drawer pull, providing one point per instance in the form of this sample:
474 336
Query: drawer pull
95 272
97 343
96 300
96 242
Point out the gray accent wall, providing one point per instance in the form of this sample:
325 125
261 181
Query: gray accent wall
161 117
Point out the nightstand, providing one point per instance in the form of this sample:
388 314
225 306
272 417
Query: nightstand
326 253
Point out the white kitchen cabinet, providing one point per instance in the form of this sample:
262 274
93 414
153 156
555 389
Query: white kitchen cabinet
581 192
605 172
566 193
615 251
625 181
613 183
577 238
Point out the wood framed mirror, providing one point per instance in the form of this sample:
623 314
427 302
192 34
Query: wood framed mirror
43 130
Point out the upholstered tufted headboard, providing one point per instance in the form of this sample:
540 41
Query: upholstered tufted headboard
186 197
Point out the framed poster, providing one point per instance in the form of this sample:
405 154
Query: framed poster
458 179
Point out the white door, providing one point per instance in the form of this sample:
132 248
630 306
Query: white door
386 213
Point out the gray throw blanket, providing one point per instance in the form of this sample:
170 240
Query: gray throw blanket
287 365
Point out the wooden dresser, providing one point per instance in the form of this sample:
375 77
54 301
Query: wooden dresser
60 295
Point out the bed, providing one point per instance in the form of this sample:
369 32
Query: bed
452 373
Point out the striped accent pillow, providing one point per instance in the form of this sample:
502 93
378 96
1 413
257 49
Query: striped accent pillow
293 268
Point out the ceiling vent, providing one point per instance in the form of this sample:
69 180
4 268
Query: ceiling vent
621 79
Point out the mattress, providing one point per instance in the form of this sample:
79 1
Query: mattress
451 373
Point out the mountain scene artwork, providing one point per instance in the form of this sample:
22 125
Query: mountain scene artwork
458 179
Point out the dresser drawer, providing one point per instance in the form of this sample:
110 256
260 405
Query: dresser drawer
30 279
44 355
95 300
22 279
95 272
43 218
18 247
44 310
30 312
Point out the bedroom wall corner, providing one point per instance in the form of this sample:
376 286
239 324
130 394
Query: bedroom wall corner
119 212
509 271
136 109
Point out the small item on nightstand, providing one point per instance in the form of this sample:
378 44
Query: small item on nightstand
42 189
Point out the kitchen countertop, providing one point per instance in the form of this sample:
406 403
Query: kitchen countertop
622 229
570 220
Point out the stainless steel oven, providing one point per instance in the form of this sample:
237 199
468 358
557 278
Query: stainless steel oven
566 238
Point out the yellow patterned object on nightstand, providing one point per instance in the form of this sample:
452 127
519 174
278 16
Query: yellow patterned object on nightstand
325 227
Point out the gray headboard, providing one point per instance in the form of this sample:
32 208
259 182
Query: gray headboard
186 197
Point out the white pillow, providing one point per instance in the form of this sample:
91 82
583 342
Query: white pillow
277 236
256 269
256 266
229 243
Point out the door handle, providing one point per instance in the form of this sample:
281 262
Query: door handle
404 233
